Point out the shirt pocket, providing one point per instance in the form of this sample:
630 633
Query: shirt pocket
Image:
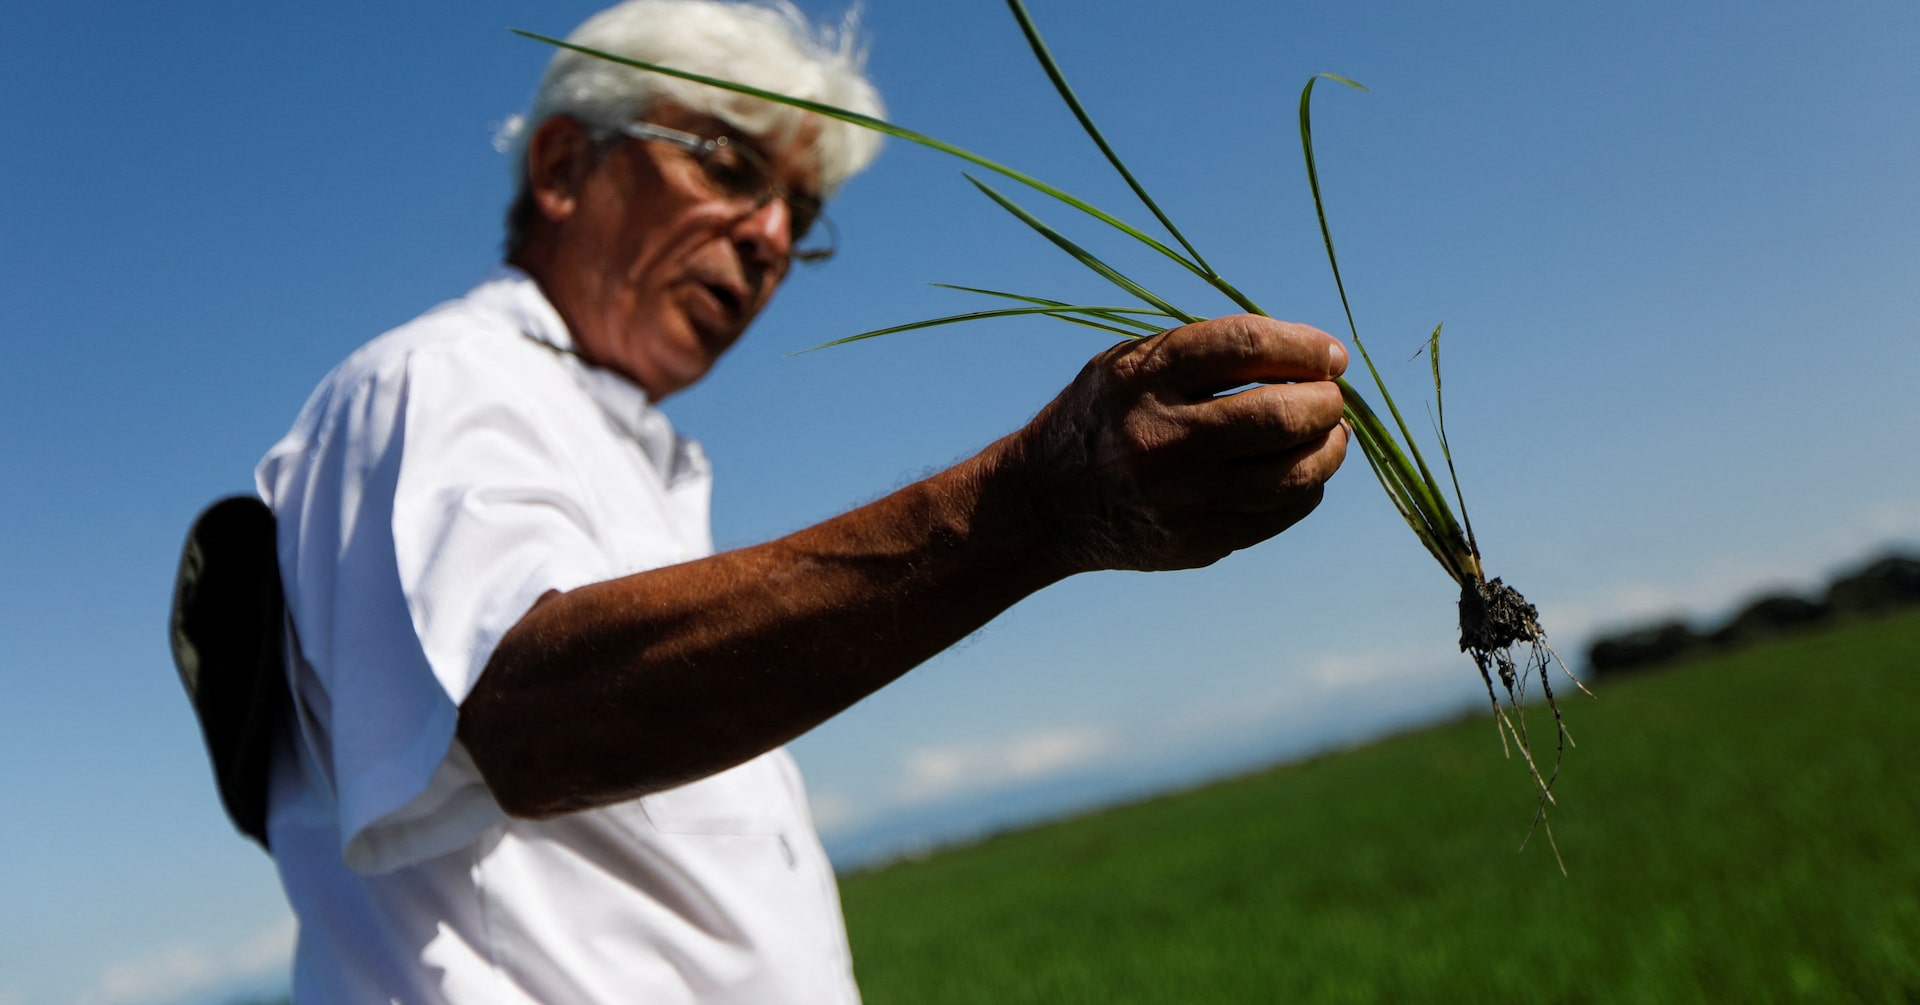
753 798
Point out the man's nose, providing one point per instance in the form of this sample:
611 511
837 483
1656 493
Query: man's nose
766 233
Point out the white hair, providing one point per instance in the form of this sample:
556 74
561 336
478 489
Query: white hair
767 44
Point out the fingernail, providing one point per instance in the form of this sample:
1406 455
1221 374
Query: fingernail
1336 359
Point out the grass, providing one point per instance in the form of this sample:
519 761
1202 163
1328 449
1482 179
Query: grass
1743 828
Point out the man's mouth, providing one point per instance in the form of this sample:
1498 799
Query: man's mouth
732 301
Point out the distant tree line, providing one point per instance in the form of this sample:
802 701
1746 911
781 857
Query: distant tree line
1883 585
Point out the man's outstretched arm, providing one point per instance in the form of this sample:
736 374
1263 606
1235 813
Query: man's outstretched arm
642 683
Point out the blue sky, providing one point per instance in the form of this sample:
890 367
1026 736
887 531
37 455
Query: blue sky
1675 247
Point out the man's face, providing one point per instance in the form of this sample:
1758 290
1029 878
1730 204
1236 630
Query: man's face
658 272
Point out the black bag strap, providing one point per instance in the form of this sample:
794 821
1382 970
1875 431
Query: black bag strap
228 634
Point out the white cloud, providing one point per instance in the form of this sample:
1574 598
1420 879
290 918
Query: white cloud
178 971
932 772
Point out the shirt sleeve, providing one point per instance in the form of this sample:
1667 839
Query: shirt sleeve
436 504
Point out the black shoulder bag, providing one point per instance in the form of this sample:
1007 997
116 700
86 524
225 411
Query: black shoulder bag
228 634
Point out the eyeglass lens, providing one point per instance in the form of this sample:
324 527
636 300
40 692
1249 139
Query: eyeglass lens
741 173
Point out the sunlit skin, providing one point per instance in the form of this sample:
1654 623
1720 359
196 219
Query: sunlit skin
638 684
654 275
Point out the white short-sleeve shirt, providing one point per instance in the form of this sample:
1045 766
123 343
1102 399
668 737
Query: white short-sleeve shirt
437 483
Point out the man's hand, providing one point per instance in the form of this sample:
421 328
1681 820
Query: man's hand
1146 462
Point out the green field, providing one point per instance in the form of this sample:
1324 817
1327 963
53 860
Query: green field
1743 828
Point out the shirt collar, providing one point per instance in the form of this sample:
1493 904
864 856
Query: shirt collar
515 294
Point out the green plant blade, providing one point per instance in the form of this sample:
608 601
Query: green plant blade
1440 430
1052 68
1117 314
1089 322
1411 494
1433 501
1082 255
1319 206
1326 237
1376 454
1059 310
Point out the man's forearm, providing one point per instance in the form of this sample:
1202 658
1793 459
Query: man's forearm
1144 462
635 685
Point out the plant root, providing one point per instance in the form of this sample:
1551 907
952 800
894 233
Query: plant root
1494 619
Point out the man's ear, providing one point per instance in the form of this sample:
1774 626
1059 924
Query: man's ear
559 158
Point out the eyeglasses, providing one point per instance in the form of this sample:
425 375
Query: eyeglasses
738 172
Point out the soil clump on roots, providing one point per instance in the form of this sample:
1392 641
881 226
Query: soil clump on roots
1494 620
1493 616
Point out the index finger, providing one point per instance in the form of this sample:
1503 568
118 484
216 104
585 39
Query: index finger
1208 357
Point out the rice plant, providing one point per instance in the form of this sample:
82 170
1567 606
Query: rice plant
1498 627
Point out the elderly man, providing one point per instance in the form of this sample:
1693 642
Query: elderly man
535 750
